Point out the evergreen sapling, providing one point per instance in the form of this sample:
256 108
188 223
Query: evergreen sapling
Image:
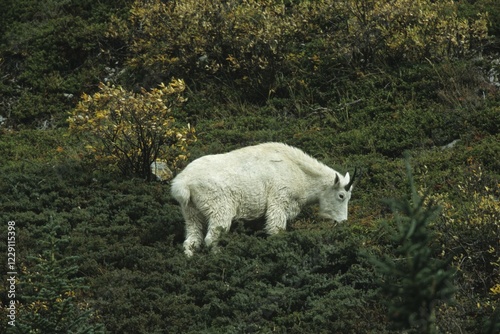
414 282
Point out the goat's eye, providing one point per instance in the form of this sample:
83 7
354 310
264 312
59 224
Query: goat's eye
341 196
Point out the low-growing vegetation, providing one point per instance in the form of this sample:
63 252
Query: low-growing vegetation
98 241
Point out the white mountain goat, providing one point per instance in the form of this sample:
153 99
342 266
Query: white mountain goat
270 180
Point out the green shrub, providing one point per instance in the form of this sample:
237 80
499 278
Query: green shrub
49 53
468 233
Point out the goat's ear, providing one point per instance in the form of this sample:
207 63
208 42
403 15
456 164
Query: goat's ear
337 180
347 177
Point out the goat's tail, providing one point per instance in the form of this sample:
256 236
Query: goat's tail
180 191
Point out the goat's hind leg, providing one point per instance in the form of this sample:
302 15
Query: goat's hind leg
275 221
194 228
217 223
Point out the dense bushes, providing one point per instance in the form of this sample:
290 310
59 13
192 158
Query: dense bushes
274 48
253 284
127 236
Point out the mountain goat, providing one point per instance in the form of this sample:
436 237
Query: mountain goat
270 180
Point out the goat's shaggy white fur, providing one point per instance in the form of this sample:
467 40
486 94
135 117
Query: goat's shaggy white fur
270 180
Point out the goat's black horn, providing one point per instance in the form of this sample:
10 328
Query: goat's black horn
353 180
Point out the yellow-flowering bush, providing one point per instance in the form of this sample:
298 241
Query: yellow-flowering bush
132 130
